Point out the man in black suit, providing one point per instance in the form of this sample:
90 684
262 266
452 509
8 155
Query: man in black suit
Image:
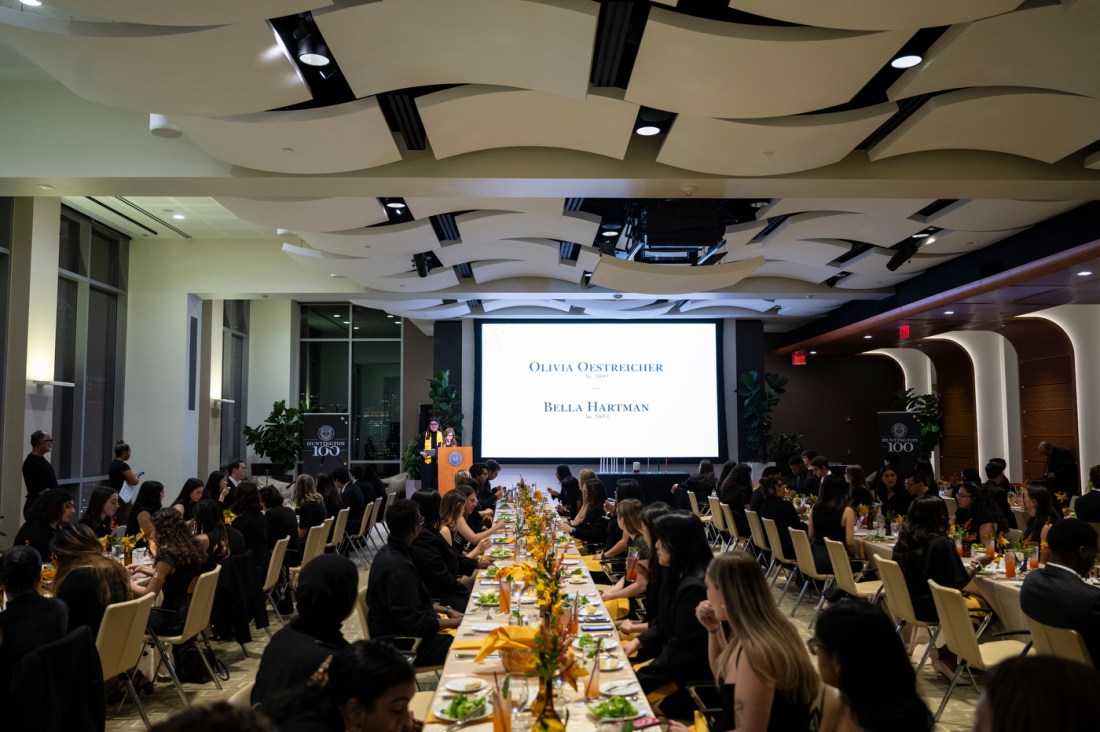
998 486
802 481
1057 594
1088 505
1061 469
235 472
820 468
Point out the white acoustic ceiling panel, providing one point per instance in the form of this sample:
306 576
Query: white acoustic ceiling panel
741 252
502 269
492 225
743 233
873 262
541 251
474 117
347 137
806 307
951 241
309 214
1047 46
401 44
492 306
797 271
436 312
816 252
422 208
1093 161
709 68
404 303
354 268
900 207
157 69
1046 126
406 238
771 146
998 215
437 279
875 14
883 231
758 306
189 13
874 281
656 279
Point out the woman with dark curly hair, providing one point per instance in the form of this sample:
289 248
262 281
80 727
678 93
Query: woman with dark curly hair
47 515
177 563
978 509
87 580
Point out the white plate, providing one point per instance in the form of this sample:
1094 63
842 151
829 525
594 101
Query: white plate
441 713
608 644
622 688
483 628
610 664
567 562
528 600
479 603
577 580
470 685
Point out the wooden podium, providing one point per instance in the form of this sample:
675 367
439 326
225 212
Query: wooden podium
450 461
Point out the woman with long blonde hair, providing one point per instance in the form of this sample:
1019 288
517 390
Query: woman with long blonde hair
765 674
310 504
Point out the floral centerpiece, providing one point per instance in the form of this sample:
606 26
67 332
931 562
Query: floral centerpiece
965 538
229 516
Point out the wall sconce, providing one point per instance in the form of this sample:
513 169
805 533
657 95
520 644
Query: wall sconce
50 382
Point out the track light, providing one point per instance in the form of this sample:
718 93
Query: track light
313 52
904 253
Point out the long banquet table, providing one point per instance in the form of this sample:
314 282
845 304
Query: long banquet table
460 661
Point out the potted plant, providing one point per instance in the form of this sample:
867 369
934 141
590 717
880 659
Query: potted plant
446 401
410 460
759 394
926 408
785 446
279 439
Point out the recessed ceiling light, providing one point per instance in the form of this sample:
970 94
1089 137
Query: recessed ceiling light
921 235
929 240
178 217
866 337
948 312
32 3
44 187
336 276
648 130
356 328
813 353
609 233
760 204
395 204
906 62
1084 273
389 316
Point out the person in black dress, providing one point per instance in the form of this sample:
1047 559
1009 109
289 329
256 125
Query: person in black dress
190 494
87 581
310 503
777 508
431 441
978 510
38 472
436 562
119 473
1041 514
102 507
736 492
895 498
251 523
177 563
47 516
281 523
590 525
831 518
859 493
149 500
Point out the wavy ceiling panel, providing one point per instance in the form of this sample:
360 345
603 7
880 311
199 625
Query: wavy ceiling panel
758 306
309 214
541 251
768 147
492 306
656 279
873 263
408 238
468 118
950 241
998 215
1045 126
900 207
1050 46
404 303
815 274
709 68
190 13
438 279
501 269
875 14
354 268
158 69
422 208
815 252
340 139
806 307
575 226
883 231
401 44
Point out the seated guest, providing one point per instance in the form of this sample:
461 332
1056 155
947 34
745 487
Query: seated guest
702 484
494 472
1057 593
177 563
190 494
399 602
486 495
466 528
251 523
651 568
859 494
819 466
29 621
782 512
996 483
47 515
327 589
310 503
570 494
875 479
590 525
676 643
831 518
560 474
217 540
367 488
365 687
326 486
452 519
616 542
434 559
736 492
1015 694
216 717
102 507
149 500
87 580
977 508
1041 514
628 516
766 679
1087 507
803 482
351 498
281 523
895 499
217 487
867 672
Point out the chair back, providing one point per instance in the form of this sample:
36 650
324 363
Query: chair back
731 524
952 505
315 542
759 538
363 611
275 563
804 554
202 604
955 624
772 531
1021 517
375 518
716 513
364 522
897 592
694 503
242 697
122 634
1061 642
842 568
339 528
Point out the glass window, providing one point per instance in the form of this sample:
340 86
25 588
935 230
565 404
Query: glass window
324 321
323 376
64 369
376 400
369 323
99 382
71 253
105 266
234 370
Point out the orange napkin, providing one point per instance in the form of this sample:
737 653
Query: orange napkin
571 556
507 636
466 645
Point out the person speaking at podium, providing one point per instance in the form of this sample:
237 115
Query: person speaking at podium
432 441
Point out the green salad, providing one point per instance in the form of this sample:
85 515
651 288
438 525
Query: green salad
488 598
466 707
588 641
500 553
617 707
575 572
491 571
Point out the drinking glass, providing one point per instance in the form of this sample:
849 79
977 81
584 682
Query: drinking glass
505 596
1010 564
632 564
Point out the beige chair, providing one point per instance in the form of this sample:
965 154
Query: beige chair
952 505
759 538
1014 535
242 697
375 522
274 572
1061 642
407 645
314 546
958 632
779 558
708 520
721 537
736 539
356 538
198 620
121 640
845 580
339 528
804 556
1021 518
900 604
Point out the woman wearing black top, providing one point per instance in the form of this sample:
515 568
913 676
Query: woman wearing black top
676 643
781 511
736 492
250 522
217 541
1041 514
436 562
190 494
281 523
310 503
978 510
217 486
119 473
590 525
47 515
831 518
859 494
329 493
150 499
87 580
102 507
177 563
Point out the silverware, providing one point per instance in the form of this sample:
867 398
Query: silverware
463 723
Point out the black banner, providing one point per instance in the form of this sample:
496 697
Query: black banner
899 440
326 443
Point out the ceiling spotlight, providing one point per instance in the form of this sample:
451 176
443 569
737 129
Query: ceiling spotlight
160 126
813 353
759 204
866 337
32 3
389 316
609 233
395 204
921 235
178 217
906 62
648 130
948 312
44 187
1084 273
313 52
929 240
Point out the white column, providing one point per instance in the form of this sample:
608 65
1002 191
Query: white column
272 365
1081 324
916 367
996 395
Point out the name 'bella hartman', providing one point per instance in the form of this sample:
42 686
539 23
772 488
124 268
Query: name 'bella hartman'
594 407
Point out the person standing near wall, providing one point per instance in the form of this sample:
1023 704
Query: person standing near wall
37 471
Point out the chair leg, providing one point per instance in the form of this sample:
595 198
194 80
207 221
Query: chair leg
950 689
820 602
768 571
928 650
137 699
787 584
162 648
972 681
274 606
206 662
805 586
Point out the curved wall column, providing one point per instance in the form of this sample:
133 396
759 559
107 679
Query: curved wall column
996 395
919 373
1081 324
